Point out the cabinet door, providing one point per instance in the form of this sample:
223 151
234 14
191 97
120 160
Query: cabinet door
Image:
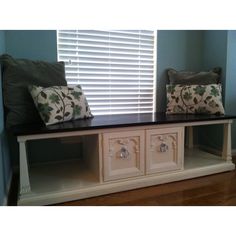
164 149
123 154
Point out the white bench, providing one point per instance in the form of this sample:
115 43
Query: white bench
120 152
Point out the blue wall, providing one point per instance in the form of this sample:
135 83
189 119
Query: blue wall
2 41
215 52
178 49
220 50
230 85
2 165
32 44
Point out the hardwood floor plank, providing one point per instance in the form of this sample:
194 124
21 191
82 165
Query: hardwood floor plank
218 189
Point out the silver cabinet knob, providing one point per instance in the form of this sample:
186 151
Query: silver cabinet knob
124 153
164 147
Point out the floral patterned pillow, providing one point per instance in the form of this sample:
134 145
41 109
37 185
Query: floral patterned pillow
201 99
60 103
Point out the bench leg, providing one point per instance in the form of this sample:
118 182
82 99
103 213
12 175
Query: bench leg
226 153
24 170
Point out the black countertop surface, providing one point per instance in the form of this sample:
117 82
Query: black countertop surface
114 121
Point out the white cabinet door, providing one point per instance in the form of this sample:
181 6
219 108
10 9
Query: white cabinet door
164 149
123 154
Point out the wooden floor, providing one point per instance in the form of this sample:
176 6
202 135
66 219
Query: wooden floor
213 190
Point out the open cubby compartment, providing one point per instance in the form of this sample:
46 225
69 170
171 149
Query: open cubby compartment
198 158
70 173
202 147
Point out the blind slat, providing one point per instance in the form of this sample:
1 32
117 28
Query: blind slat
116 69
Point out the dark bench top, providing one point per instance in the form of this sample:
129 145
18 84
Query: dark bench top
114 121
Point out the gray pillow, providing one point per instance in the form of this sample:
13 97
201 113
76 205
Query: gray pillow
18 74
194 78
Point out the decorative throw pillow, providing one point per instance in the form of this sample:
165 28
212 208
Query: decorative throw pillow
60 103
17 75
201 99
188 77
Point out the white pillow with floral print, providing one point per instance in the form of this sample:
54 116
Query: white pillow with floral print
200 99
60 103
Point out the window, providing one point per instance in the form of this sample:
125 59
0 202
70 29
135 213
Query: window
116 69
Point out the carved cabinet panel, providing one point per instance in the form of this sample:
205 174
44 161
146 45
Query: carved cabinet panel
164 149
123 154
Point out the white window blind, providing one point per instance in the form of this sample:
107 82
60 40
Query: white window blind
116 69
